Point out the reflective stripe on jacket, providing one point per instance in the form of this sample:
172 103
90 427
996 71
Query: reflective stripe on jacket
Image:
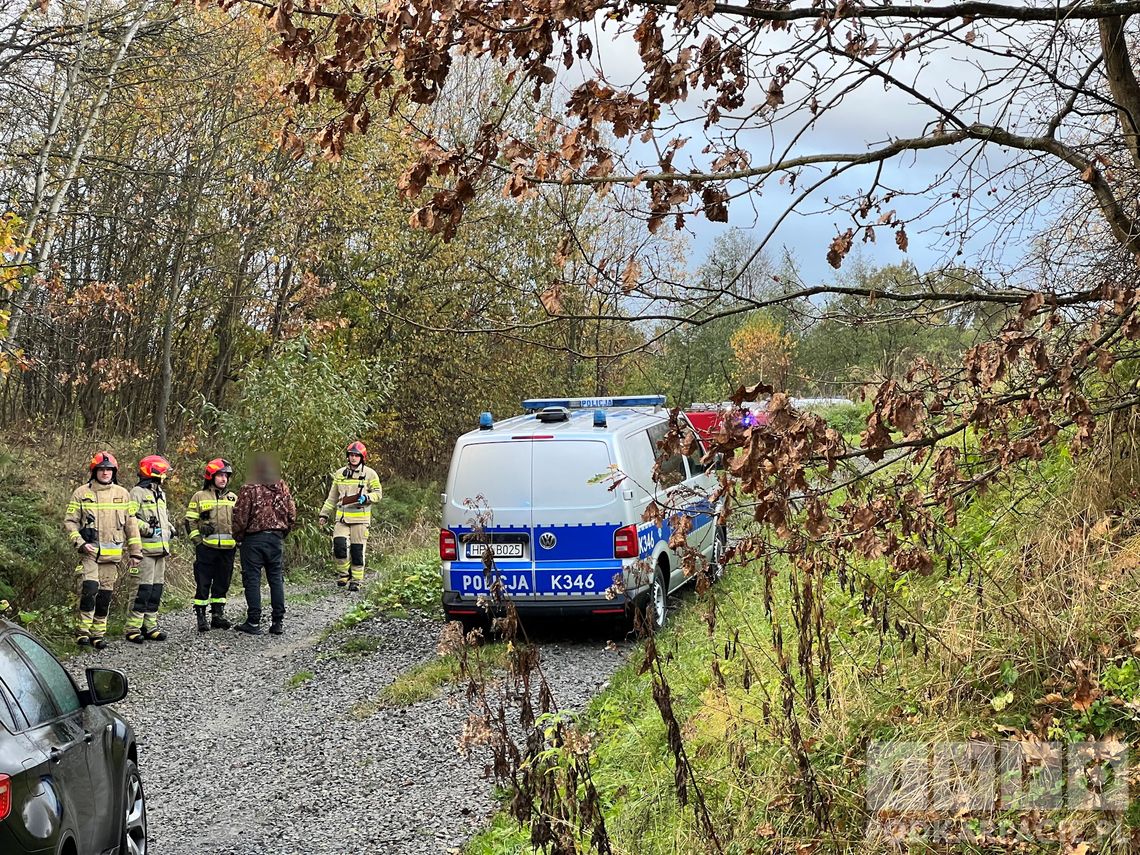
218 510
103 513
351 483
148 504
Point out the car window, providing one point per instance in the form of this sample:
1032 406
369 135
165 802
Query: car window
695 465
33 698
497 471
566 474
672 469
7 718
14 711
51 673
637 462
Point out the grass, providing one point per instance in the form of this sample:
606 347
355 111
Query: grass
407 581
360 646
298 679
424 681
995 662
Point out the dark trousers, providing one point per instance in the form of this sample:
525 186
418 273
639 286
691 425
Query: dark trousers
213 572
263 550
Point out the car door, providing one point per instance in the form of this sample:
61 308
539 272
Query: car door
48 699
700 487
672 494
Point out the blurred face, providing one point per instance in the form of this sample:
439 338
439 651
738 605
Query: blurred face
104 476
354 459
221 480
266 468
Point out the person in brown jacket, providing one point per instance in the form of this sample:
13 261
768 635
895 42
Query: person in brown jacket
263 516
101 523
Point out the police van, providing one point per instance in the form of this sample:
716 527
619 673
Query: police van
558 495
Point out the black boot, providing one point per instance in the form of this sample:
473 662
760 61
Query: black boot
203 624
218 618
277 627
249 627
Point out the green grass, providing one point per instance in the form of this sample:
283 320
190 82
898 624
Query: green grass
298 679
360 646
982 677
424 681
407 581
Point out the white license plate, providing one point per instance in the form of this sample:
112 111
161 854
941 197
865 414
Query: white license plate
499 550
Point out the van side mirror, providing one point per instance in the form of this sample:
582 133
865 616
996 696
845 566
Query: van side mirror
106 685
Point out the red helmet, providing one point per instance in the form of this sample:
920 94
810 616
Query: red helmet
357 447
154 466
217 466
104 460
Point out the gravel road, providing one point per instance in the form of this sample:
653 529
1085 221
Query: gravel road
235 762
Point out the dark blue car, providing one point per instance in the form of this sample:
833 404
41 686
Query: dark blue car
69 777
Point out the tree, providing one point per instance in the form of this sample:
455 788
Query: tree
764 352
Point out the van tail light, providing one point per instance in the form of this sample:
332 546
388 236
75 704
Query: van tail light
447 548
625 542
5 796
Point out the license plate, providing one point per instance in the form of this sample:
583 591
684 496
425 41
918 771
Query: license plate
499 550
574 581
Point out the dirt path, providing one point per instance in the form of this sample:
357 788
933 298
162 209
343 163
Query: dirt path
237 762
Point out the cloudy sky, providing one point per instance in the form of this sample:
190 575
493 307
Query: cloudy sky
867 118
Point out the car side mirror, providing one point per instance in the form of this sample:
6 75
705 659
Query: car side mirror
106 686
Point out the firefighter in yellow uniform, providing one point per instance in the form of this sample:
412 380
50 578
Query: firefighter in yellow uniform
355 489
209 518
101 525
148 504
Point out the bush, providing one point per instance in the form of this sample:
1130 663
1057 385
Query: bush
849 419
37 561
406 504
305 406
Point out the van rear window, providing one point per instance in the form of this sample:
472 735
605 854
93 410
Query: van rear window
498 471
563 470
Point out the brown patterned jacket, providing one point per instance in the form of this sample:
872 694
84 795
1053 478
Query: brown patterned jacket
264 507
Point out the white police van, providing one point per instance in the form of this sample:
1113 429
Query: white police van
539 490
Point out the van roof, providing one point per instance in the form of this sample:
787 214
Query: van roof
578 425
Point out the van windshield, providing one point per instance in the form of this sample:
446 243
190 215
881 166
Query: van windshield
497 471
563 470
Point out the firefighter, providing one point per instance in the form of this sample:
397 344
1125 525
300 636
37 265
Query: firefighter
148 504
100 523
355 489
209 518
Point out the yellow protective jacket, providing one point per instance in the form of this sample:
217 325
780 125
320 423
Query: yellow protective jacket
217 510
349 484
148 504
101 514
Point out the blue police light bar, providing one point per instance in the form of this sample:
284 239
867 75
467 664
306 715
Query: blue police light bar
486 421
594 403
599 418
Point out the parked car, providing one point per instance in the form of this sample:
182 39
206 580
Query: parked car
69 776
707 418
558 495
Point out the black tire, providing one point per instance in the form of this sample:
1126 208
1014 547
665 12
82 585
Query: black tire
133 832
657 601
720 547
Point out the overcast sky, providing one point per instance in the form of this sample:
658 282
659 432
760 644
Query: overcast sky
868 117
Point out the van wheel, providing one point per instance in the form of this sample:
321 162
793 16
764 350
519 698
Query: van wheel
720 547
658 605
